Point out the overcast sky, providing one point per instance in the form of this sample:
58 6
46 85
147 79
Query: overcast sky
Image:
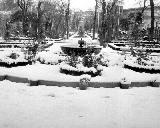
87 4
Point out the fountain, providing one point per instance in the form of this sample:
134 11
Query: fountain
81 49
81 57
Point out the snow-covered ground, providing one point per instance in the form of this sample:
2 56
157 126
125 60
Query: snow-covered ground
51 72
22 106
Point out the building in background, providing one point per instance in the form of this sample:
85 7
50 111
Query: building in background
146 16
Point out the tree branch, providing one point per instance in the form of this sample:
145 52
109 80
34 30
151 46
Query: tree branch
144 6
20 4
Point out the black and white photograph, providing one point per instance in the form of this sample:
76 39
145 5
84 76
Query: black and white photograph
79 63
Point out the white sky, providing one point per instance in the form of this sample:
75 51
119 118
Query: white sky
89 4
82 4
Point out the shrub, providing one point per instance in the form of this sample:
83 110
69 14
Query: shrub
154 83
84 82
13 56
125 83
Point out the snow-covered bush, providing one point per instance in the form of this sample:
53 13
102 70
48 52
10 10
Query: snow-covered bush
112 58
79 69
154 83
30 50
125 83
76 65
151 64
144 58
49 58
12 57
72 60
103 60
84 81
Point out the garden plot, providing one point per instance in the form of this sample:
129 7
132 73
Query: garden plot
12 58
50 70
143 62
22 106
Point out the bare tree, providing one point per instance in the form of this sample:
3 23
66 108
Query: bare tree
24 6
102 30
8 5
39 22
110 19
95 18
55 18
77 16
67 18
137 21
152 19
144 6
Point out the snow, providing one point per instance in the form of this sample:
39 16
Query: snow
112 57
51 72
85 76
49 57
22 106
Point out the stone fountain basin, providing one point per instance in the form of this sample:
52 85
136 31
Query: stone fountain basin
75 49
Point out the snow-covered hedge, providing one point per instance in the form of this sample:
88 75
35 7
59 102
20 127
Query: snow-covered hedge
150 64
110 58
49 58
12 57
154 82
80 69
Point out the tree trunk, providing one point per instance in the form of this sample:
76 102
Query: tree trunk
152 20
102 40
67 20
94 20
23 6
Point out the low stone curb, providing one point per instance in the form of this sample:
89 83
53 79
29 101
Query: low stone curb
16 79
2 77
59 84
104 84
141 69
33 82
140 84
73 84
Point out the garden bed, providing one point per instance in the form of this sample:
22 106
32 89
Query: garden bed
140 68
13 59
124 47
78 73
10 65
